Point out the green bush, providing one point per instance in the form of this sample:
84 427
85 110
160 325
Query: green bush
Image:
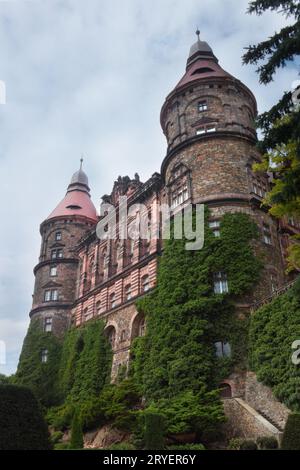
248 445
154 431
62 446
186 447
291 434
76 433
267 443
235 443
22 424
56 437
122 446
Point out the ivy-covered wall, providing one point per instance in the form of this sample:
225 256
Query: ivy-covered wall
273 329
77 367
185 317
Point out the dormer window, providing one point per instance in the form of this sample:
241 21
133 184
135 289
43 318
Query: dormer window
202 106
202 70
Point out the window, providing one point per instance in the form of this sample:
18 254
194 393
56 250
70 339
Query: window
111 335
128 294
51 295
142 327
44 355
53 271
98 307
56 253
220 283
215 227
267 237
179 196
48 324
205 130
202 70
86 314
223 349
58 236
145 283
273 281
202 106
259 188
112 300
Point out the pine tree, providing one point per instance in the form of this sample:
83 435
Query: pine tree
281 124
76 432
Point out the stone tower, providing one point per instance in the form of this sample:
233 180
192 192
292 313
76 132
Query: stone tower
56 272
208 120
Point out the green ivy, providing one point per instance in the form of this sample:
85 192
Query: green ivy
41 378
185 317
273 329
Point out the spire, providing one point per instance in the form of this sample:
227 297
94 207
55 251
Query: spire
77 200
200 50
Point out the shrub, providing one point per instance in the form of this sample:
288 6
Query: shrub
22 424
291 434
248 445
76 432
154 431
267 443
56 437
186 447
62 446
122 446
235 443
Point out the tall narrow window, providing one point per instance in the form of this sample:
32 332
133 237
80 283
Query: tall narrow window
44 355
98 307
142 327
202 106
215 227
112 300
267 237
128 293
48 324
145 283
220 283
58 236
53 271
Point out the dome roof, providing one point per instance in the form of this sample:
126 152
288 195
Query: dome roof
200 46
80 177
77 200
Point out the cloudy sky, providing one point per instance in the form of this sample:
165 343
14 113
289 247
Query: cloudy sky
89 77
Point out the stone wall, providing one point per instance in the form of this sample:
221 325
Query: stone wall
262 399
245 422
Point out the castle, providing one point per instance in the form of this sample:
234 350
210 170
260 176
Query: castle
208 121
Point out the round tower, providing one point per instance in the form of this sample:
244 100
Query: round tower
56 272
208 120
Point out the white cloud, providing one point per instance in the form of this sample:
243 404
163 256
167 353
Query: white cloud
90 77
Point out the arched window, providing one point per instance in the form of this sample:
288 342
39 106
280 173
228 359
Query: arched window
138 326
225 391
110 333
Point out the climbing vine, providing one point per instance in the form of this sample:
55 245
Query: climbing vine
273 330
185 317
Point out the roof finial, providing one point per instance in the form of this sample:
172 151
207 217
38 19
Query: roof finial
198 34
81 162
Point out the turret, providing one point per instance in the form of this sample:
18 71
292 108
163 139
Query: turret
56 272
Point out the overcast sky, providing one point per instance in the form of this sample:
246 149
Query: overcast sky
89 77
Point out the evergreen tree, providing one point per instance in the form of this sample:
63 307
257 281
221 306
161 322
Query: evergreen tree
76 432
281 124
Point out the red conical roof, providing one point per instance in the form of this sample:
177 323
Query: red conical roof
77 200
